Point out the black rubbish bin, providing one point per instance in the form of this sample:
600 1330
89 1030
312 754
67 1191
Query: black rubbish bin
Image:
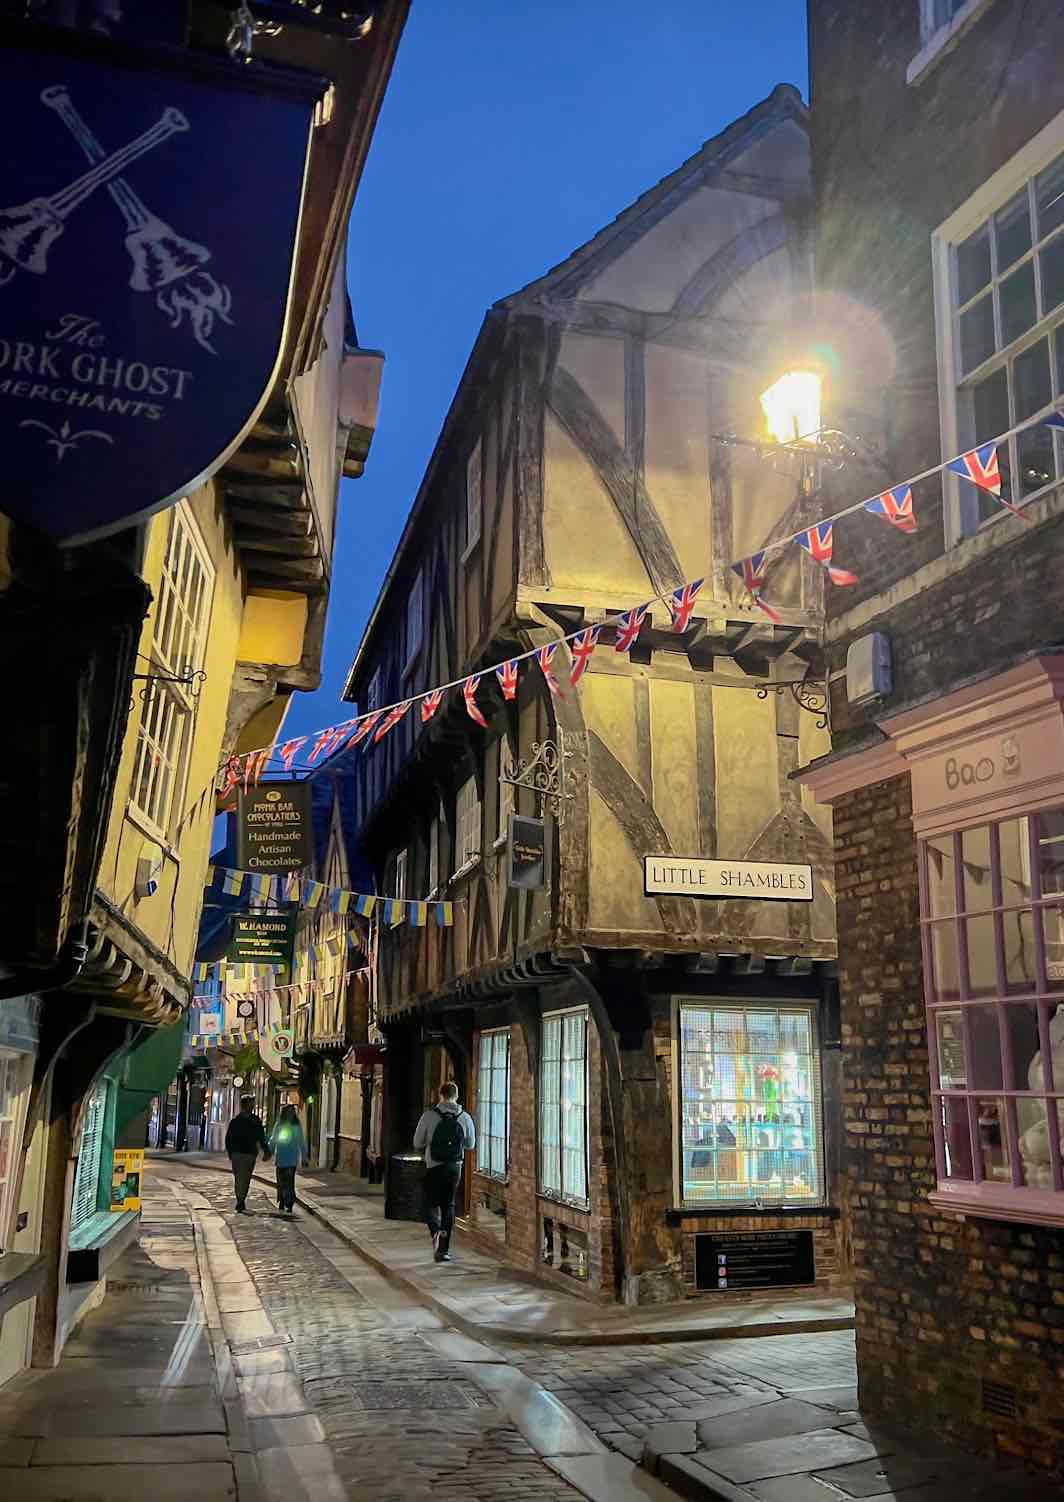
402 1192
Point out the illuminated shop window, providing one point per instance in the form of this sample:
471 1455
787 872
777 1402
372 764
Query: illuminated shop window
750 1120
493 1104
992 905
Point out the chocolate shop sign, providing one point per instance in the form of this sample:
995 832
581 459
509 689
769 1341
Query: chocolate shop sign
691 876
148 224
273 829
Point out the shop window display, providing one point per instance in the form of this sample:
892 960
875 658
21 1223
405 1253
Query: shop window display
992 904
750 1121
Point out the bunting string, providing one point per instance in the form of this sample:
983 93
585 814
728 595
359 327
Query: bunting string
894 505
317 895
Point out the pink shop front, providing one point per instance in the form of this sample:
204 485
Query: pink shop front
986 765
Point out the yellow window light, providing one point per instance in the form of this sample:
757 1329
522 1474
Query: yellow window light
792 406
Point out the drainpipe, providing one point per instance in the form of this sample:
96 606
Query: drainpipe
63 973
335 1164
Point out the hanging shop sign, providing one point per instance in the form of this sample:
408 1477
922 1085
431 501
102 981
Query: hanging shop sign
127 1174
265 938
691 876
276 1047
207 1024
526 853
147 236
273 827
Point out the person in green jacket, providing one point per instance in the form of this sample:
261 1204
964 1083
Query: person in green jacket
289 1148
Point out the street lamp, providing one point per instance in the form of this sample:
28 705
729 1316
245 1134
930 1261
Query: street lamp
792 407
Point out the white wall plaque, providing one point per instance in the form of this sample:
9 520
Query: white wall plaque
692 876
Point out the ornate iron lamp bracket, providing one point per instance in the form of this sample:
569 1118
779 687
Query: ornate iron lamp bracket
546 772
810 694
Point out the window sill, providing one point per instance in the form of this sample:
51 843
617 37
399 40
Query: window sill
1031 1207
502 1179
146 827
583 1206
471 864
944 40
676 1215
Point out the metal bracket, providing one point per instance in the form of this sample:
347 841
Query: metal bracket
546 772
810 694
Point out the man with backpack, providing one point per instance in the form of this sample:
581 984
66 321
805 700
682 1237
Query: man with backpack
445 1134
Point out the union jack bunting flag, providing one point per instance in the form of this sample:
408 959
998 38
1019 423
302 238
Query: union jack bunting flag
818 542
1054 420
628 628
896 507
752 572
287 752
430 704
323 741
391 719
545 657
255 765
682 603
980 465
230 776
581 650
364 726
469 694
506 673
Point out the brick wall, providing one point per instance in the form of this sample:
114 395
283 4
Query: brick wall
525 1208
943 1305
891 162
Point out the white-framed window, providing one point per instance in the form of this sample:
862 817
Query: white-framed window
942 24
750 1120
563 1118
467 826
180 621
400 885
16 1070
506 796
434 857
415 618
493 1104
474 490
999 290
373 691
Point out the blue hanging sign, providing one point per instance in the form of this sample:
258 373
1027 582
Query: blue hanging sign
148 224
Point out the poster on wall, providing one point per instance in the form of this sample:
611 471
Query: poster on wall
273 830
144 274
127 1175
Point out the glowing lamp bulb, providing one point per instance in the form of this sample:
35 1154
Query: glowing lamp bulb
792 406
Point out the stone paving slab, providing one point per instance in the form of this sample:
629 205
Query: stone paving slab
155 1450
791 1455
208 1482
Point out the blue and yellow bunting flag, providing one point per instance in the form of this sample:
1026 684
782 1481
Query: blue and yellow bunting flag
444 914
233 882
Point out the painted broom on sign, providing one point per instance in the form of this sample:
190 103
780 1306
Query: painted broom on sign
164 262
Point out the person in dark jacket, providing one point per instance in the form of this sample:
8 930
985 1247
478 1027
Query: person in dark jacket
444 1134
245 1138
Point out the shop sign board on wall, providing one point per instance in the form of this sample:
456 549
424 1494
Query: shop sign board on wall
694 876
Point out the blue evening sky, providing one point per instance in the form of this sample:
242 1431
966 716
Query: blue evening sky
510 133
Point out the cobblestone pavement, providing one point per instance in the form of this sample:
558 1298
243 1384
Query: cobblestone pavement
622 1391
399 1420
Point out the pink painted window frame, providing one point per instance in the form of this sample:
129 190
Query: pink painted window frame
978 1196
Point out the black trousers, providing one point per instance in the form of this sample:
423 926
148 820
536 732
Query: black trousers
439 1189
286 1187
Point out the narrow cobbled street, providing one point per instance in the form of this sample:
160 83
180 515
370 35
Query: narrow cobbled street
349 1388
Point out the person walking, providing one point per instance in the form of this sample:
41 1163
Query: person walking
445 1134
245 1138
289 1148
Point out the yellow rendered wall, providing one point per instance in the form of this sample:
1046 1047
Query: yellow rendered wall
275 622
170 918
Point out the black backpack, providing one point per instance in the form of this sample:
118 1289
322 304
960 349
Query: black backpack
448 1139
